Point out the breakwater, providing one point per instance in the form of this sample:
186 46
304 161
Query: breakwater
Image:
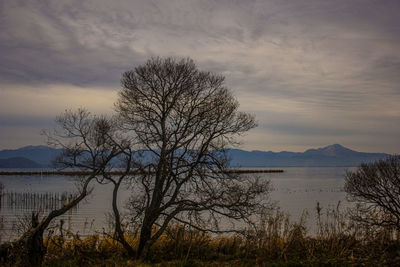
81 173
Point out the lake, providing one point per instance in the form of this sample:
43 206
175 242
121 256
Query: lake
296 190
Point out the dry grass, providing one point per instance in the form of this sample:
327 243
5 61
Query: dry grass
277 242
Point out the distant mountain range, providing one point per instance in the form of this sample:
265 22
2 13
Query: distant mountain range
41 155
333 155
18 163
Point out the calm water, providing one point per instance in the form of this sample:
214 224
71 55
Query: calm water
295 190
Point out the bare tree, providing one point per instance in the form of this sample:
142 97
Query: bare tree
376 186
107 149
185 119
87 143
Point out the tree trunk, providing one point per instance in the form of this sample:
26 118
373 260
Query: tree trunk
28 250
150 215
35 248
118 229
144 241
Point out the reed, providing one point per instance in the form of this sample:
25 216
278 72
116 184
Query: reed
277 241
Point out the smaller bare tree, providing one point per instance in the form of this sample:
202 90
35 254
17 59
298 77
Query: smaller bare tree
376 186
87 143
115 153
126 164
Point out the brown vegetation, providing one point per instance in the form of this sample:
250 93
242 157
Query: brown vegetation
277 241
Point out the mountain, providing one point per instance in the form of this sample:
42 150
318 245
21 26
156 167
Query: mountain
18 162
333 155
335 150
42 155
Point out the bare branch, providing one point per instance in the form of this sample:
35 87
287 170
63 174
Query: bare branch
185 119
376 186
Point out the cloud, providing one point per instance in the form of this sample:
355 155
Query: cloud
26 110
51 100
289 62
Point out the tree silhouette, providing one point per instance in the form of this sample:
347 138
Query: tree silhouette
88 143
377 187
184 119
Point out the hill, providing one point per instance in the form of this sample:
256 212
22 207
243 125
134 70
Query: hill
18 162
42 155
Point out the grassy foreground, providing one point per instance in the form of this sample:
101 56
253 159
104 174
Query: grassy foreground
277 242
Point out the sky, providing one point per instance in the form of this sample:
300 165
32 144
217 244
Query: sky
314 73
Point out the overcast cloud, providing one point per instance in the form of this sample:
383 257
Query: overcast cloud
313 72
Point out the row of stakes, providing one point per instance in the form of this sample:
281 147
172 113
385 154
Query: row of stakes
34 201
